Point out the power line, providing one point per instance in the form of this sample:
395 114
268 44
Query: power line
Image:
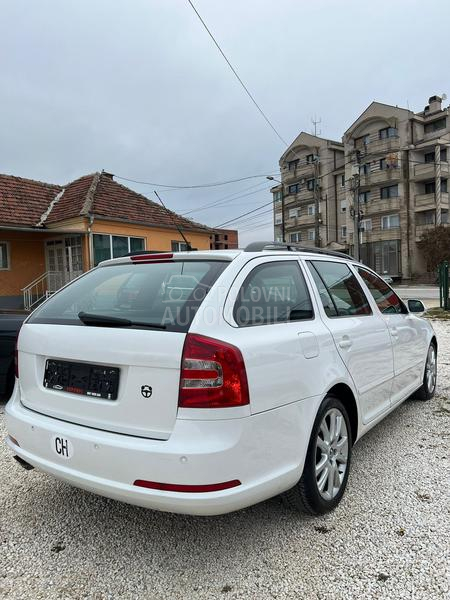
219 203
190 187
265 117
244 214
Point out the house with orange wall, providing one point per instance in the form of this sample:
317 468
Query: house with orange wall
50 234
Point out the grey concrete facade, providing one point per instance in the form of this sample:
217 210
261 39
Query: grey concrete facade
395 167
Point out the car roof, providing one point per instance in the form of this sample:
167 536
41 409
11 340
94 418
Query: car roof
230 255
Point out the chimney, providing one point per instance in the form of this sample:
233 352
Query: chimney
435 104
108 175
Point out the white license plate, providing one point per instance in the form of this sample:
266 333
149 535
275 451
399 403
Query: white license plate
62 446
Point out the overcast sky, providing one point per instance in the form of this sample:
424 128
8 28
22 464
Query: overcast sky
137 87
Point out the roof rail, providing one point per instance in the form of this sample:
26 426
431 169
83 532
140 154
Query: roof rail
259 246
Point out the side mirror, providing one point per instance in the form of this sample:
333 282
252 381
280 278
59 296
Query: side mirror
416 306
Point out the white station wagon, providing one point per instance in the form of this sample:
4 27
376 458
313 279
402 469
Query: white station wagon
204 382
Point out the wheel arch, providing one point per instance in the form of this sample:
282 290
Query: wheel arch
347 397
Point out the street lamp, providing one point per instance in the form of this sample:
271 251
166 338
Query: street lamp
270 178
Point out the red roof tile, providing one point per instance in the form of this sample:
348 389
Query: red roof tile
24 201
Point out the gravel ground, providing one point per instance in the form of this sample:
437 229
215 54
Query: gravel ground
389 538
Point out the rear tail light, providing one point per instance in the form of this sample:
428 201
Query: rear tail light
212 374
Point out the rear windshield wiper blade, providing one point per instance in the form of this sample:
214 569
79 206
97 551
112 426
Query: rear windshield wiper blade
107 321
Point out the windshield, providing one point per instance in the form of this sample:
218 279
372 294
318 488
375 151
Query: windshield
161 294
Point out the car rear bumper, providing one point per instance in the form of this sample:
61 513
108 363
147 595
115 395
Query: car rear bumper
265 452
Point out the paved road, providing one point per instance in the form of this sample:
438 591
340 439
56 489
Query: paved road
428 294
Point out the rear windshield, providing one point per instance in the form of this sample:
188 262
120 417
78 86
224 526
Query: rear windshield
164 294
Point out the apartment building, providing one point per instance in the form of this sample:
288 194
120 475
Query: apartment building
310 200
396 173
391 170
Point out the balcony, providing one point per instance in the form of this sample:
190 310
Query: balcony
421 229
428 202
377 205
427 171
384 145
300 221
385 176
304 170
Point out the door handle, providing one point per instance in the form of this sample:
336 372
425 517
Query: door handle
345 342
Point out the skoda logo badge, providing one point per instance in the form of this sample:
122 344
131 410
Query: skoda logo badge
146 391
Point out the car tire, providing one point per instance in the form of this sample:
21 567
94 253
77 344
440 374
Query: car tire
327 462
428 387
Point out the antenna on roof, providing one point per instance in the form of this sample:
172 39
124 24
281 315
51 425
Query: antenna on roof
316 122
188 245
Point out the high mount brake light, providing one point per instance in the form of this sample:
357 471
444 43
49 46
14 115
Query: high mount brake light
213 374
151 257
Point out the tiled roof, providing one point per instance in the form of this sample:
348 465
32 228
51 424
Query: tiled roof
24 202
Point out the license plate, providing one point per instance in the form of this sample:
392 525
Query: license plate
62 446
80 378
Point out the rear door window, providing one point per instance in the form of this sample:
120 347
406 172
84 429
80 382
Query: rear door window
339 284
166 294
387 300
274 292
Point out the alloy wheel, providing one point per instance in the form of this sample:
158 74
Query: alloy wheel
431 369
331 453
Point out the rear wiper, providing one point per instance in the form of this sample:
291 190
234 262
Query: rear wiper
107 321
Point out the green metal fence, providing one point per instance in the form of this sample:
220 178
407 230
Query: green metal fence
443 274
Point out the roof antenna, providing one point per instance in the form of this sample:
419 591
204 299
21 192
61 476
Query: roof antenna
188 245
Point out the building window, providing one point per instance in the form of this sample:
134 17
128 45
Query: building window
179 246
311 209
113 246
343 206
225 237
310 184
364 169
311 235
343 231
390 222
364 197
382 164
4 256
294 188
366 225
342 181
435 125
293 212
426 217
309 158
278 219
292 165
277 196
391 191
362 141
388 132
430 187
429 156
295 237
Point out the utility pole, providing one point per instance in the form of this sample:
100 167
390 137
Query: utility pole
317 240
270 178
354 183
